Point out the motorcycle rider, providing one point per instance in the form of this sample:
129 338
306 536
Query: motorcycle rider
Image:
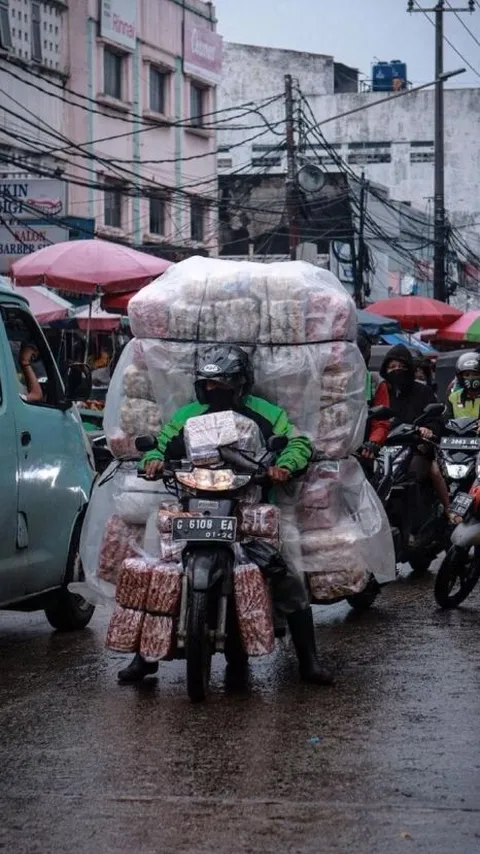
224 381
407 399
464 398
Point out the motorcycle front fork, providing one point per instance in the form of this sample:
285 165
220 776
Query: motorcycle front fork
217 635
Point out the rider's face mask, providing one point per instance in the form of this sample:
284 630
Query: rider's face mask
472 384
219 396
399 378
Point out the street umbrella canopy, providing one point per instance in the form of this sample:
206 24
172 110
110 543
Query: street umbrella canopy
375 324
415 313
466 328
87 266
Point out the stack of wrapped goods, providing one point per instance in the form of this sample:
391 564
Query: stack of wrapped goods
299 326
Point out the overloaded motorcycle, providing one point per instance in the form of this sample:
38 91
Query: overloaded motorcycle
460 570
400 492
208 525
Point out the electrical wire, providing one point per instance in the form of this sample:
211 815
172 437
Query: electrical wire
464 25
447 40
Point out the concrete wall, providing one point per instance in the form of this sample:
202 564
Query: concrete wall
400 132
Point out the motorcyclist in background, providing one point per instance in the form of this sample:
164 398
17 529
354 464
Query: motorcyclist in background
364 344
464 399
407 399
224 381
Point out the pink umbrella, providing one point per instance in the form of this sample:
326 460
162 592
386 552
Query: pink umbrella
45 305
87 266
94 319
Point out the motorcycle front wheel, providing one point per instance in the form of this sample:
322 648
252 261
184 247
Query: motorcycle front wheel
457 576
198 647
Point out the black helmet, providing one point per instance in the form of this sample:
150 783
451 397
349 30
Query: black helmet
228 363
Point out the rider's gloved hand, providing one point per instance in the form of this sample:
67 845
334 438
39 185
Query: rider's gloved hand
370 450
279 475
154 468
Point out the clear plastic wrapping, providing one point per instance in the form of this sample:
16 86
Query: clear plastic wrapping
124 630
254 611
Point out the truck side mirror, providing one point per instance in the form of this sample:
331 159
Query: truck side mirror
78 383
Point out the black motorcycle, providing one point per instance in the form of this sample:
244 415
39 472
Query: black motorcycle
417 540
207 618
457 456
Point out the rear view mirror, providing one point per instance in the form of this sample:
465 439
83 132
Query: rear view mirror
434 409
78 382
147 443
277 443
381 413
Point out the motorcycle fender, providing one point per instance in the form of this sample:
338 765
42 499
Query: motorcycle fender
467 534
207 568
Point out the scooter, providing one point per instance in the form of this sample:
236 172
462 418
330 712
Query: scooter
460 569
417 541
459 446
208 525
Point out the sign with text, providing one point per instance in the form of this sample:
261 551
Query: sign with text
19 240
202 53
25 199
118 22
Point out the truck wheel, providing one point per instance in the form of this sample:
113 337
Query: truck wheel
198 647
69 612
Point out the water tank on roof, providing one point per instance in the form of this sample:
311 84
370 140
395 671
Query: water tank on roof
389 76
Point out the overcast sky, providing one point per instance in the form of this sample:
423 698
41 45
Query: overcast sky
354 32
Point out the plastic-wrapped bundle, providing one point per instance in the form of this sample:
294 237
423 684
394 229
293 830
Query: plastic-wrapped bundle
138 417
120 542
136 498
133 584
254 612
261 521
325 586
156 641
237 320
124 630
207 433
295 302
165 589
357 545
123 447
136 383
166 515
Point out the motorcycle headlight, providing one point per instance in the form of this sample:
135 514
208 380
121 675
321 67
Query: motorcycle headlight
208 480
457 471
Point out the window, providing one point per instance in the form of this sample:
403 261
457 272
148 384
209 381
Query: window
113 207
5 35
36 34
22 331
112 73
158 90
157 215
198 98
197 220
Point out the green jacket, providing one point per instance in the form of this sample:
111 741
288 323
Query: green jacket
272 420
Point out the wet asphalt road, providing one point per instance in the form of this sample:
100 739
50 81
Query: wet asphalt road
387 761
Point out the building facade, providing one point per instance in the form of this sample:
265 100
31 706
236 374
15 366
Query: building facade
116 100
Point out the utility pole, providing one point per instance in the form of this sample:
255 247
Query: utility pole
439 285
360 265
291 186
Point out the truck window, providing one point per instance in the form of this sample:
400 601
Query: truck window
36 374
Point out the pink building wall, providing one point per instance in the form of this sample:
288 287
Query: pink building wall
174 158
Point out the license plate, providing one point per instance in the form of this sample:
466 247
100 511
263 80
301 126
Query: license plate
212 528
461 504
452 443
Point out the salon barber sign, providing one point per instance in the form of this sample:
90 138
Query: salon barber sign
202 53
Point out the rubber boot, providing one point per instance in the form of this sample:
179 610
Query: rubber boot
300 624
137 670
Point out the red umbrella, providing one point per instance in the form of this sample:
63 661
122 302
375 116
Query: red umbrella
83 266
117 302
416 312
